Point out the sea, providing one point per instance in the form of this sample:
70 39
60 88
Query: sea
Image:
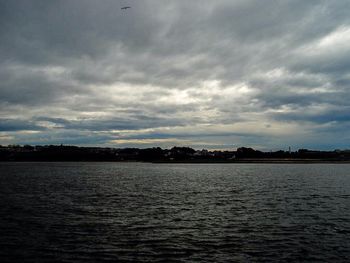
144 212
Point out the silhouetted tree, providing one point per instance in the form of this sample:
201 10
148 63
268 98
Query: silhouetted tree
244 152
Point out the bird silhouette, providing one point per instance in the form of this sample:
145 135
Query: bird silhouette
125 7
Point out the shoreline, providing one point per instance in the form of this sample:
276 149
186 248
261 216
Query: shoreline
242 161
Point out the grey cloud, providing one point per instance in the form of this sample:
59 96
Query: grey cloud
135 122
63 137
7 125
337 116
70 62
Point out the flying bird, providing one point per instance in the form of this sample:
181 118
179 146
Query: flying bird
125 7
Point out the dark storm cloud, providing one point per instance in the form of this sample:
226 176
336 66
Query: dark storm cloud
76 68
7 125
63 137
338 116
135 123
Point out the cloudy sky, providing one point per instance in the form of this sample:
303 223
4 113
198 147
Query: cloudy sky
201 73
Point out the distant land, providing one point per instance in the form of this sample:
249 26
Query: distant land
63 153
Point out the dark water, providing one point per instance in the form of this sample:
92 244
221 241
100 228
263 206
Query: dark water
131 212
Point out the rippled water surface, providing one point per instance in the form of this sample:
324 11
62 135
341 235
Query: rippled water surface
134 212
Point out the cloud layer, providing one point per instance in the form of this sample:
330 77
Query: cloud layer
206 74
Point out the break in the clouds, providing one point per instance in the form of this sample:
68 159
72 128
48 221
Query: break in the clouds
200 73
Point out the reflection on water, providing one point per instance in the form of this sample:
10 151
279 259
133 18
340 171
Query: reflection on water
96 212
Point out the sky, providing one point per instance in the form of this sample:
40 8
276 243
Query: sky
205 74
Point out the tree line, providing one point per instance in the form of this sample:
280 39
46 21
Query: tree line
157 154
